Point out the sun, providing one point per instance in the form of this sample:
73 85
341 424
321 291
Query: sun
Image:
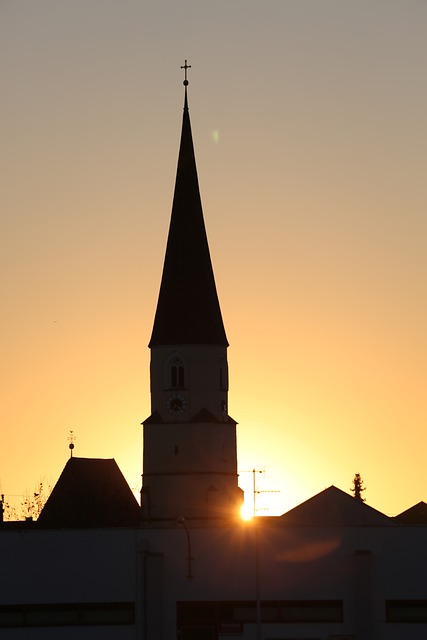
246 512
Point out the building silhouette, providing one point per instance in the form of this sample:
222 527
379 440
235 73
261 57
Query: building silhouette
183 565
190 454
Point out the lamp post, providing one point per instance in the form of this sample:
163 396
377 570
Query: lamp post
181 521
257 583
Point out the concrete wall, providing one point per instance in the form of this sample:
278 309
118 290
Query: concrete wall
81 566
362 566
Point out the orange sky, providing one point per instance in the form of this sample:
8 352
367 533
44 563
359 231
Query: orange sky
309 126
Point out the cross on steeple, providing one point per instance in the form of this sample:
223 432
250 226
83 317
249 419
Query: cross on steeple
185 67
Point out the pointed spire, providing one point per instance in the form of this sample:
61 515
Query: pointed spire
188 310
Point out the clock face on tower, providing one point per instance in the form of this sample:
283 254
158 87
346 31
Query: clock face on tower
176 404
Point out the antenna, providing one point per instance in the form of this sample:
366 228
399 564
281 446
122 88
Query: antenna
255 490
71 439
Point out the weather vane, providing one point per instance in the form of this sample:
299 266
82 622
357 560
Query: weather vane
71 439
185 67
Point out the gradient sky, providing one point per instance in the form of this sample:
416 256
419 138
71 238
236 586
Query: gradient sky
309 123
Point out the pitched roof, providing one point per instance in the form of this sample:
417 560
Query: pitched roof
90 493
414 515
188 310
333 507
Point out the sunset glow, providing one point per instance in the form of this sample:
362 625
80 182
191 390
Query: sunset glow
315 206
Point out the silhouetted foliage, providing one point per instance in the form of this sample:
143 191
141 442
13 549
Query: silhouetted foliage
31 505
358 487
9 512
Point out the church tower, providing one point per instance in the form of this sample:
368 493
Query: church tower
190 454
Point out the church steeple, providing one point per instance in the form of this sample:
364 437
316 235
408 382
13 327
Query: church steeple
190 454
188 310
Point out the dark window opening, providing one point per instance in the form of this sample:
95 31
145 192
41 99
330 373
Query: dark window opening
65 615
240 612
223 381
312 611
406 611
197 633
177 374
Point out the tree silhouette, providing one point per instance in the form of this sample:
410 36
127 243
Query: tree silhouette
358 487
31 505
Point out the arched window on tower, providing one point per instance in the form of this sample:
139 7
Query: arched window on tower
177 373
223 375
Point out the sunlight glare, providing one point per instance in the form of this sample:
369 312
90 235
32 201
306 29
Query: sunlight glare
246 512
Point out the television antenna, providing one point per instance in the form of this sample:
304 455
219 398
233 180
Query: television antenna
255 490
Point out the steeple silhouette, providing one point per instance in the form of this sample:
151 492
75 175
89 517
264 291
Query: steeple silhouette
190 450
188 310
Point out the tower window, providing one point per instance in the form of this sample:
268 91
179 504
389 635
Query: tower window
177 374
223 378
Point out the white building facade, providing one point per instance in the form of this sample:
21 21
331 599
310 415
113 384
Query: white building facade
256 580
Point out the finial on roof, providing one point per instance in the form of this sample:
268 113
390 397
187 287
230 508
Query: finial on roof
185 67
71 439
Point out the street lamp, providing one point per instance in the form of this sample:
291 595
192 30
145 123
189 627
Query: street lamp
181 521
